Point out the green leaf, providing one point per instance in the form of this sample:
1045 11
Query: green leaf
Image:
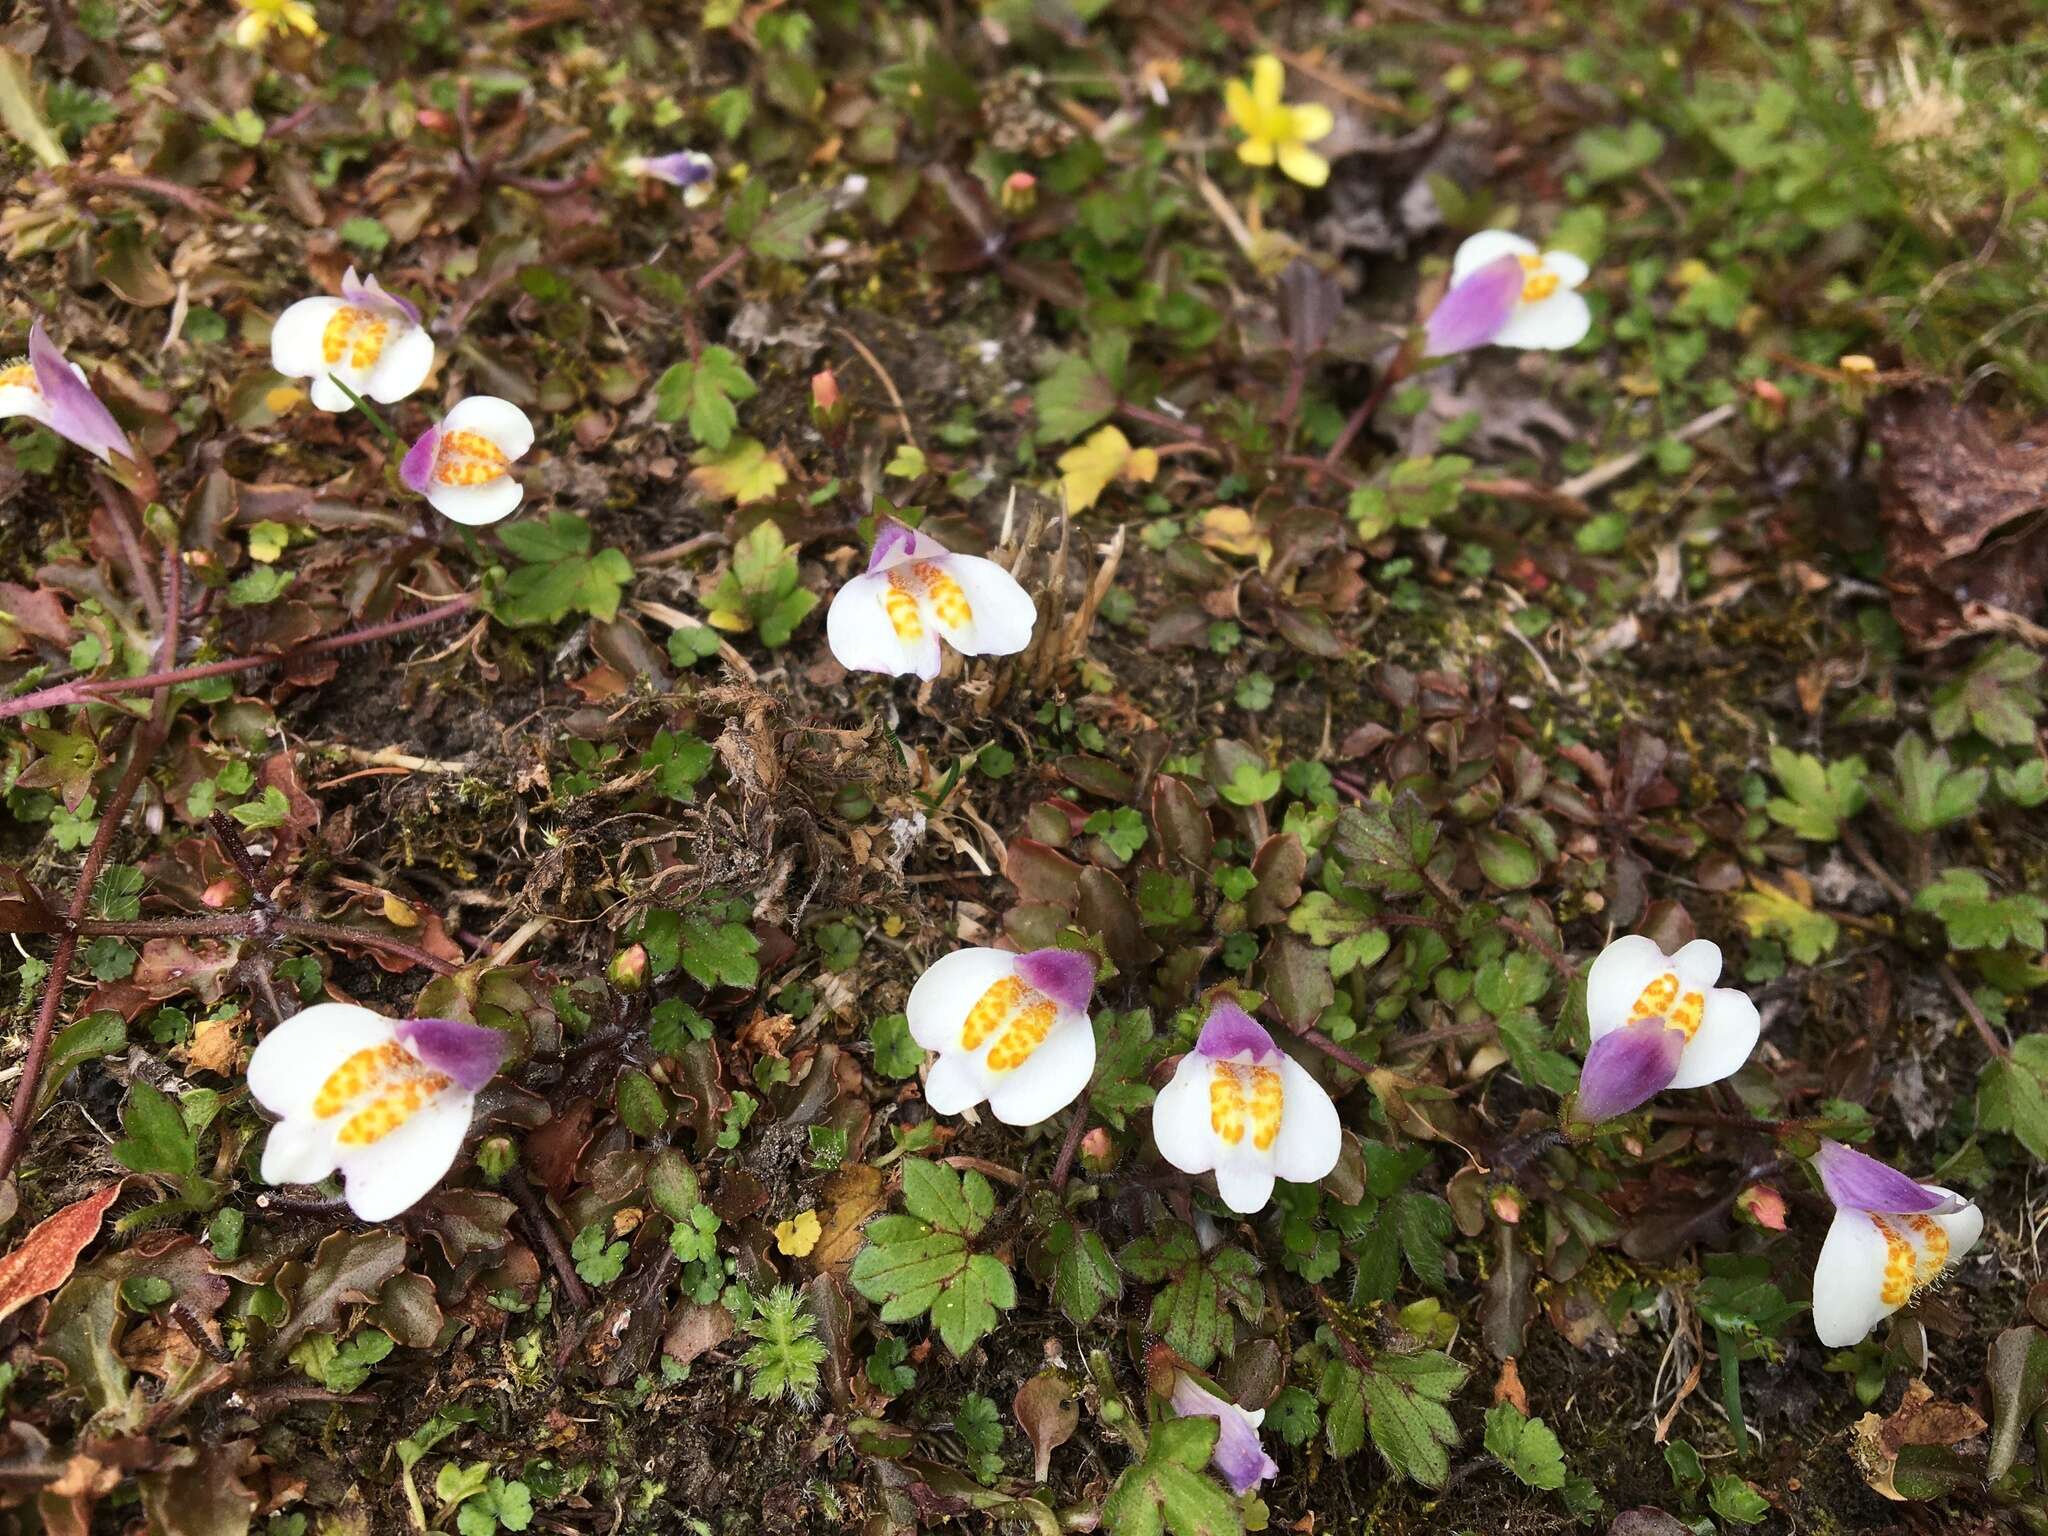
715 953
2018 1375
1170 1490
1192 1309
598 1262
897 1056
1071 399
785 1357
677 760
1122 830
1975 919
1085 1277
922 1262
365 234
1126 1046
560 576
2012 1095
157 1140
1819 798
705 391
1404 1403
1930 793
1508 862
1387 844
1525 1446
760 589
642 1109
1733 1499
1999 698
784 232
1610 153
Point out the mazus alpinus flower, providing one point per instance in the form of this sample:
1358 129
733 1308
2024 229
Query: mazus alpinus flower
1505 292
1243 1108
385 1101
1892 1238
464 465
370 340
46 388
686 168
1239 1456
1658 1021
916 592
1010 1029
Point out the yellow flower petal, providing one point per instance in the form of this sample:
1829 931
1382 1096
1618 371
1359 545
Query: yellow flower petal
799 1235
1312 121
1300 163
1256 151
1086 470
251 30
1269 79
1142 466
1238 104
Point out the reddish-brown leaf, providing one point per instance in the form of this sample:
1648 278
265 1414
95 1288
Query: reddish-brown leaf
45 1258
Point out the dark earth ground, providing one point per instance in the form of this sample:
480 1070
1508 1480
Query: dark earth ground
1744 588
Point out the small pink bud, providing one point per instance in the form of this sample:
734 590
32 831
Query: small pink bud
629 968
1098 1152
1763 1205
1019 192
1507 1207
825 390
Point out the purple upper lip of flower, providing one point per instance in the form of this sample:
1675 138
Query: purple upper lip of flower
1628 1067
1229 1032
1856 1181
368 293
894 543
1065 975
469 1053
416 469
1476 308
76 413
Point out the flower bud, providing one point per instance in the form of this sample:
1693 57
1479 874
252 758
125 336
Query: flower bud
1018 193
628 970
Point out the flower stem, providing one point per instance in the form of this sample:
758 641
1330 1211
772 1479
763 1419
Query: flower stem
1731 1388
398 443
1064 1164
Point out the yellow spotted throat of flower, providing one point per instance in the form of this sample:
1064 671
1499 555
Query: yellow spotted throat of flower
375 1091
468 458
1662 999
1540 282
1911 1262
927 579
1245 1098
1016 1015
17 373
355 338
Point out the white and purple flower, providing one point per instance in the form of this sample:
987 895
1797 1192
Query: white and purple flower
464 465
1505 292
686 168
1238 1455
1243 1108
385 1101
1891 1239
1658 1021
47 389
915 592
369 339
1011 1029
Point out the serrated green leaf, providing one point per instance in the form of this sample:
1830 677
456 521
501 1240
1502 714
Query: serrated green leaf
1525 1446
1192 1310
1170 1490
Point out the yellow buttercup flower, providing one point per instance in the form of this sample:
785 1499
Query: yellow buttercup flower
1274 132
261 17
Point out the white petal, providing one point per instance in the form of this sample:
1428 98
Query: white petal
1180 1117
1848 1281
402 368
475 505
1310 1139
1570 270
1245 1183
1004 614
947 992
293 1061
298 1152
955 1084
1488 245
1549 325
1729 1026
298 342
499 420
1051 1078
20 400
1617 979
1698 964
327 395
390 1175
862 639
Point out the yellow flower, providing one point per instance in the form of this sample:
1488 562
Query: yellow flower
1275 132
799 1235
259 17
1107 456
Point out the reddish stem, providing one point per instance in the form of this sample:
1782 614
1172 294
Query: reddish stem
726 263
90 690
1397 370
1064 1164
